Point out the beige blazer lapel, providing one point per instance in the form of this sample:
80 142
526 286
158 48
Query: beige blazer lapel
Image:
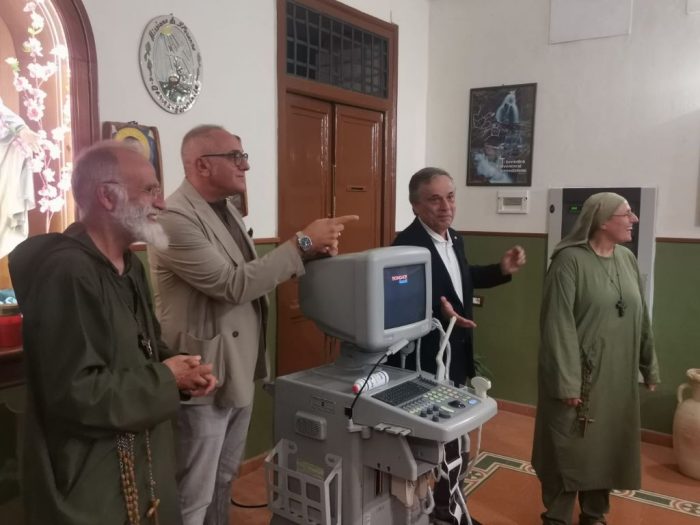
212 222
239 220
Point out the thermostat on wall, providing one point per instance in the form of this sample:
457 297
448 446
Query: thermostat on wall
513 201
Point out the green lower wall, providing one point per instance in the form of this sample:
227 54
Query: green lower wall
260 433
676 321
506 338
507 335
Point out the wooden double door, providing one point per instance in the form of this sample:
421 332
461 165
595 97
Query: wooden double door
331 164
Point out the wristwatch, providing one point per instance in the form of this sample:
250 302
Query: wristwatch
304 242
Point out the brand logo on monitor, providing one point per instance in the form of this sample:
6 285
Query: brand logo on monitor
402 279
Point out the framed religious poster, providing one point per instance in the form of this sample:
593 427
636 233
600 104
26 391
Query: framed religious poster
143 139
501 130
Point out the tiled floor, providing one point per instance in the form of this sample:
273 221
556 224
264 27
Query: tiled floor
505 491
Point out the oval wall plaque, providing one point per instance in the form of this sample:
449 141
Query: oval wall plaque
171 64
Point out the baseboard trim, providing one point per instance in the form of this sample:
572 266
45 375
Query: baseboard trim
252 464
517 408
648 436
657 438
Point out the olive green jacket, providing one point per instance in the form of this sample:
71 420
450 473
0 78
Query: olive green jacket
88 380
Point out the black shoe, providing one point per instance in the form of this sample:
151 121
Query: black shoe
445 518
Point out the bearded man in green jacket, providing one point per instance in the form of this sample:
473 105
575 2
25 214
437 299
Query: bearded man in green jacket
101 385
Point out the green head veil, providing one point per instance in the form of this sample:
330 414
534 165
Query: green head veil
597 209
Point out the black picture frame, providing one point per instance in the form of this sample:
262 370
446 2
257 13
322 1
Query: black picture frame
501 132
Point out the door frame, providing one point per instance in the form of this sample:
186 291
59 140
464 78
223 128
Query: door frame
289 84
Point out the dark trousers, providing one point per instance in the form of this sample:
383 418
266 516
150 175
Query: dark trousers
595 504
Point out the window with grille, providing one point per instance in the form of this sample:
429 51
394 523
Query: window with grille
324 49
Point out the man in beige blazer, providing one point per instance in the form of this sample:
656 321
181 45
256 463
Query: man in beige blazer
210 293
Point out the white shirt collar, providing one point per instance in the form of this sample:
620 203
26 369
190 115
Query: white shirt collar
436 236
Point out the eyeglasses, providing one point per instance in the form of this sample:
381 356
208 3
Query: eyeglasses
235 156
153 191
630 215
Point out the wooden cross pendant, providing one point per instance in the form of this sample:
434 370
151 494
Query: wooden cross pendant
621 307
583 420
145 343
152 513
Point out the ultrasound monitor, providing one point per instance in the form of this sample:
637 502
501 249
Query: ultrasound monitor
371 299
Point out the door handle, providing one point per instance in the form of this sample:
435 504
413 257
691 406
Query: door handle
333 191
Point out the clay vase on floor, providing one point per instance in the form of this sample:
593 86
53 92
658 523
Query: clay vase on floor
686 426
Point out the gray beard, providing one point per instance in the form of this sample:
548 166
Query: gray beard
134 219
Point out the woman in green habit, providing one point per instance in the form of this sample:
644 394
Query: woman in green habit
595 337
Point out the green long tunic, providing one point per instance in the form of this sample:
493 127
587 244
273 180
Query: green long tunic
579 317
88 380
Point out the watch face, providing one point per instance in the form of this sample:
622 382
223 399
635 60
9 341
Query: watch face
171 64
304 243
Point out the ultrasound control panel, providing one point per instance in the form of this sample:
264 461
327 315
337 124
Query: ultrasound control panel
422 407
411 404
429 399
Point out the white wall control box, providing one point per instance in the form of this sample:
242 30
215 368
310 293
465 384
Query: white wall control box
513 201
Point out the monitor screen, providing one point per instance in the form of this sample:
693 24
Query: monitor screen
371 299
404 295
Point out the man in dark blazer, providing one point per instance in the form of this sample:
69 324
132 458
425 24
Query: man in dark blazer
432 195
431 192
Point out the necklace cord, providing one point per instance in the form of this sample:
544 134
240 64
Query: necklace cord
620 305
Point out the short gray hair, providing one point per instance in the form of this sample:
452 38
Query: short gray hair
200 132
424 176
94 166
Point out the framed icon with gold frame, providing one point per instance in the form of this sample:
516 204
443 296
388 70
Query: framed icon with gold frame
143 139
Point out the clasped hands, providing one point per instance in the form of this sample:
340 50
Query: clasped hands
191 376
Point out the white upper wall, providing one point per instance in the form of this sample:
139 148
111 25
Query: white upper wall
618 111
239 83
238 45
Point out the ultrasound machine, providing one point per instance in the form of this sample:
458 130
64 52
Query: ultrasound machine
369 458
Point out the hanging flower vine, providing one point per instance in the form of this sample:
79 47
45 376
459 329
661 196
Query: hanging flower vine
48 160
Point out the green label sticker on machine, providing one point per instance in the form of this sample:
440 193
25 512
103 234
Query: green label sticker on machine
310 469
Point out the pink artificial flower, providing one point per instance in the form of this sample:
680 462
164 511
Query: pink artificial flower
13 63
64 183
58 133
33 47
36 163
21 83
37 21
56 204
48 191
53 149
60 52
34 112
41 73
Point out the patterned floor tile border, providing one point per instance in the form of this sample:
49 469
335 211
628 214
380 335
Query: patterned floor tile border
488 463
